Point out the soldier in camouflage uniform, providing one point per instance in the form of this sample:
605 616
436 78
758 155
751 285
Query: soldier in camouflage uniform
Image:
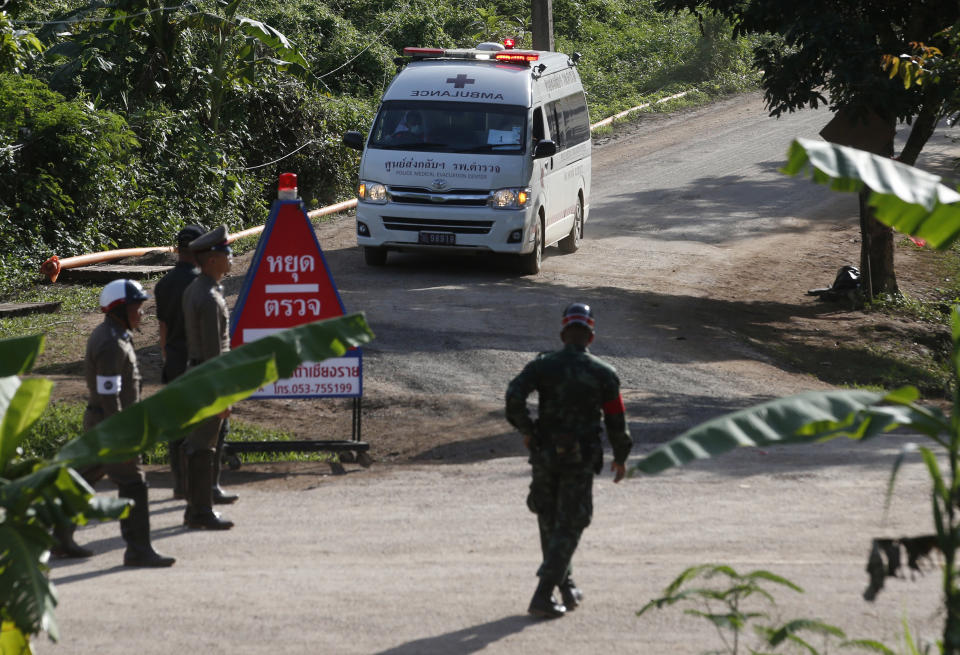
575 389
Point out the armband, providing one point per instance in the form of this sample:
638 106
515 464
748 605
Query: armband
614 406
108 385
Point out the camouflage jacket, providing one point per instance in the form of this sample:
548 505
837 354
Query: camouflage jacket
575 389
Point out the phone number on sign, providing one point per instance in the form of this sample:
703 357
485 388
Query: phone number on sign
316 387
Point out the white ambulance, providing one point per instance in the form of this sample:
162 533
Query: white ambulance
476 150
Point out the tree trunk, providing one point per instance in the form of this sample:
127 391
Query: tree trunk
876 249
876 253
923 126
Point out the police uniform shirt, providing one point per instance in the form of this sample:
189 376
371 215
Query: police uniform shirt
206 319
169 294
110 367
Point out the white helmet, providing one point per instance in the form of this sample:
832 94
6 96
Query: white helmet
121 292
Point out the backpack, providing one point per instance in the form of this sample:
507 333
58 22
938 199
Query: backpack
845 286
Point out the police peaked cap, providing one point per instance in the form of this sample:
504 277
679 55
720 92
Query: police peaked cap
188 234
215 239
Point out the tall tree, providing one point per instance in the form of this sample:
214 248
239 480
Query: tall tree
831 52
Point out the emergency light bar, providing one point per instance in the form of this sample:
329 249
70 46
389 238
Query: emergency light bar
516 55
511 56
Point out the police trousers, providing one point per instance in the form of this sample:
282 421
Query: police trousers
204 436
561 495
121 474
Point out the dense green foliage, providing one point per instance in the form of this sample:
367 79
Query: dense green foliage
139 116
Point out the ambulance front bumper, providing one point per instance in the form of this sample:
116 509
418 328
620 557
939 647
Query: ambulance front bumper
461 229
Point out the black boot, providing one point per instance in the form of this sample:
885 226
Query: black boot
571 595
543 604
221 497
66 547
177 468
200 512
135 530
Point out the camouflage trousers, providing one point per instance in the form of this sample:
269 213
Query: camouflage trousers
562 498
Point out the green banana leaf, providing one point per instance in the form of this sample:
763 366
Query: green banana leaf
28 596
208 389
13 641
18 354
803 418
38 503
273 40
907 199
26 406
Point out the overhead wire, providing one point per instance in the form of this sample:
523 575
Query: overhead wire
369 45
72 21
319 78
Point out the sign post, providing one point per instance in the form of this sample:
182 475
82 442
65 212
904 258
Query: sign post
289 284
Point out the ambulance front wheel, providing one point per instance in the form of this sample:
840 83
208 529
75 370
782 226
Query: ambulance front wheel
571 242
531 262
374 256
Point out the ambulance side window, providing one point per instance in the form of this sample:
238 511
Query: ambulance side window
555 121
575 118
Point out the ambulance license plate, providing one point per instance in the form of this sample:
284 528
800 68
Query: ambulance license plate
438 238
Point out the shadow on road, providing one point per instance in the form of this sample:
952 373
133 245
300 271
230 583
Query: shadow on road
465 641
89 575
716 210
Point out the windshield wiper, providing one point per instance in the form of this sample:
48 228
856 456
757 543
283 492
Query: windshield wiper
412 145
492 147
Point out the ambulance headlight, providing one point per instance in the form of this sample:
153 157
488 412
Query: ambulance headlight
372 192
510 198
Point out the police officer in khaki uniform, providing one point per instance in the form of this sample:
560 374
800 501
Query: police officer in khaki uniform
113 380
173 337
207 321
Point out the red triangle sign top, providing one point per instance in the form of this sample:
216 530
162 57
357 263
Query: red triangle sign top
288 283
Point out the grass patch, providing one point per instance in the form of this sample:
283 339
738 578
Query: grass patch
74 300
61 422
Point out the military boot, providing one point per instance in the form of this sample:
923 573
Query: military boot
221 497
66 547
571 595
199 513
178 467
135 530
543 604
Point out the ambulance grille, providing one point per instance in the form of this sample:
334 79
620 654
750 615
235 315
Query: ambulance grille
437 225
454 197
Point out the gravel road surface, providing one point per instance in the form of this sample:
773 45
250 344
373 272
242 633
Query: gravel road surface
441 557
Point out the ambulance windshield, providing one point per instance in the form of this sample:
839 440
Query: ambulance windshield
450 127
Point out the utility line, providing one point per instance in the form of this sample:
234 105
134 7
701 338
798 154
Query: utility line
368 46
269 163
102 20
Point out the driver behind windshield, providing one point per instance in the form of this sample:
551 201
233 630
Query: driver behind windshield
410 127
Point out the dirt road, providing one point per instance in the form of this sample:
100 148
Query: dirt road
690 225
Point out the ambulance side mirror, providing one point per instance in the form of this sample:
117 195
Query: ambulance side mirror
353 140
545 148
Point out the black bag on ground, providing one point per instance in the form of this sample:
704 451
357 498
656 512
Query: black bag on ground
846 284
